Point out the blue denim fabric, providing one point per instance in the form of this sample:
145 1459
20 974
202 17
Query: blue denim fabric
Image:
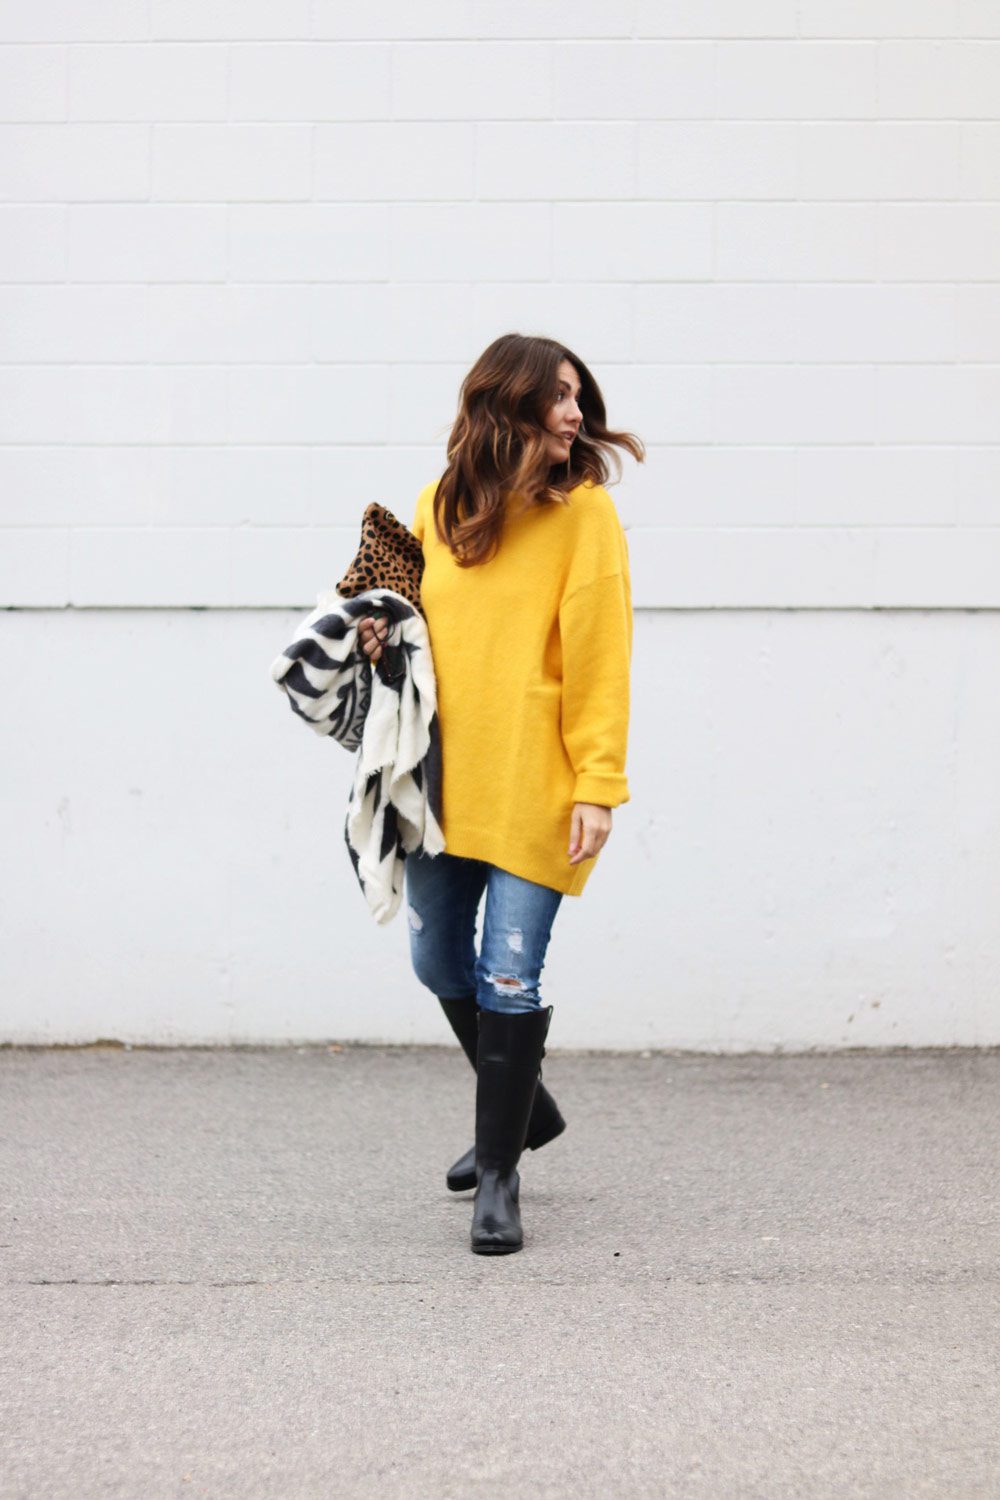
443 895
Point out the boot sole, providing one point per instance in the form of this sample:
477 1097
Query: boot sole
495 1249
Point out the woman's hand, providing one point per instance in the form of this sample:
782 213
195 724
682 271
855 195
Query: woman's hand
589 827
372 631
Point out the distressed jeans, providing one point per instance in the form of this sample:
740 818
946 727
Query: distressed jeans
443 895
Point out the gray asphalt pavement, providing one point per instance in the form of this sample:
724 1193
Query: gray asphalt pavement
240 1274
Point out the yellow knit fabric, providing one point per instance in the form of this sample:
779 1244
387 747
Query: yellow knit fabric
532 652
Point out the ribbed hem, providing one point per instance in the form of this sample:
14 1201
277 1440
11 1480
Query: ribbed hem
605 789
529 864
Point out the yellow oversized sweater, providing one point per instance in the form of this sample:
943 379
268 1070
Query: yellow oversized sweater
532 653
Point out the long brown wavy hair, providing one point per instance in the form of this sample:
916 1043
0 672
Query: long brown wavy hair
498 443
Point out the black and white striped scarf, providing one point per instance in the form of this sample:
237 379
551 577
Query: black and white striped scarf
389 716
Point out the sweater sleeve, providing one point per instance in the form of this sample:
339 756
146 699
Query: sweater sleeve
595 627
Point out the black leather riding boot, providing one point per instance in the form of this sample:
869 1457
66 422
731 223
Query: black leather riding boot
463 1018
510 1050
545 1121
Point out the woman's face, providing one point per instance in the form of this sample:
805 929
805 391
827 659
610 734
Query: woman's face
564 417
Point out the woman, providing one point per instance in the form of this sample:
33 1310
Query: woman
527 596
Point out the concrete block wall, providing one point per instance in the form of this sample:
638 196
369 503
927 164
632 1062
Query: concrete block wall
248 249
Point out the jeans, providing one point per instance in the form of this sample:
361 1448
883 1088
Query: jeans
443 894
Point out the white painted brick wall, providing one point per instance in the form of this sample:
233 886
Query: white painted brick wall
810 858
245 242
249 248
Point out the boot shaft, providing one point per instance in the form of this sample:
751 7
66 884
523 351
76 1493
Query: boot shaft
509 1054
463 1018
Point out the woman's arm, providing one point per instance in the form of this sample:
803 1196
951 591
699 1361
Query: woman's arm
595 627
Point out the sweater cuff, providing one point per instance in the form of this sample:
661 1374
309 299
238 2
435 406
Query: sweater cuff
604 789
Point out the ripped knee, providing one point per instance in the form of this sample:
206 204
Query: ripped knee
508 981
